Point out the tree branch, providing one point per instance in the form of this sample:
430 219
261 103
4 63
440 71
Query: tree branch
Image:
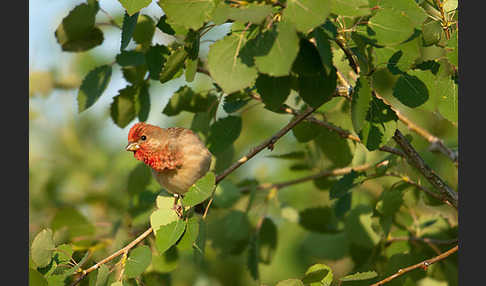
416 161
424 264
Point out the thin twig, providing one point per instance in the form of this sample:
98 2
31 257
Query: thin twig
416 161
422 239
266 144
424 265
114 255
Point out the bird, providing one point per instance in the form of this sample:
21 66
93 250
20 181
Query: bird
177 156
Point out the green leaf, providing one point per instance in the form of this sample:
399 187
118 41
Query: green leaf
226 67
223 133
138 179
323 46
273 90
307 14
290 282
282 44
155 57
308 61
188 13
144 30
167 261
191 69
344 184
317 89
122 108
410 90
93 86
432 33
129 23
76 223
234 102
360 103
142 103
200 243
134 6
350 8
134 74
130 58
289 156
398 58
42 248
200 190
226 194
168 235
267 241
185 99
358 276
77 32
102 277
318 219
252 257
318 275
165 214
391 27
305 131
174 65
138 260
190 235
409 9
335 148
164 27
390 203
358 227
36 279
452 45
380 125
252 12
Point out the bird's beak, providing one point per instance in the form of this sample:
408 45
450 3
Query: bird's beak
132 147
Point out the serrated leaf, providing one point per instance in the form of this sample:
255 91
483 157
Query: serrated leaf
200 190
360 103
226 194
185 99
432 33
36 279
252 12
174 65
93 86
318 275
234 102
307 14
323 47
122 108
188 13
138 260
134 6
267 241
398 58
168 235
282 44
155 57
142 103
335 148
191 69
162 217
144 30
76 223
63 253
350 8
128 27
134 74
358 227
78 32
290 282
391 27
226 68
273 90
42 248
190 235
344 184
410 90
358 276
317 89
130 58
223 133
342 205
391 202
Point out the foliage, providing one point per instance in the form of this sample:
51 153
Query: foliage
393 58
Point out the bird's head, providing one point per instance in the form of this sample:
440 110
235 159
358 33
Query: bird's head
144 140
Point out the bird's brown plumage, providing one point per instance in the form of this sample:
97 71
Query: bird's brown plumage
176 155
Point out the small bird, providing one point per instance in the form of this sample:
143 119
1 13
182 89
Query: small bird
177 157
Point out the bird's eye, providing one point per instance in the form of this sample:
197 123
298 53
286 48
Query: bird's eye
143 137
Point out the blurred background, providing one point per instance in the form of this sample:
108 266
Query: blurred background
77 161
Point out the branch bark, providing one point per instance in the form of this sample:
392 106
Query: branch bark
416 161
424 264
